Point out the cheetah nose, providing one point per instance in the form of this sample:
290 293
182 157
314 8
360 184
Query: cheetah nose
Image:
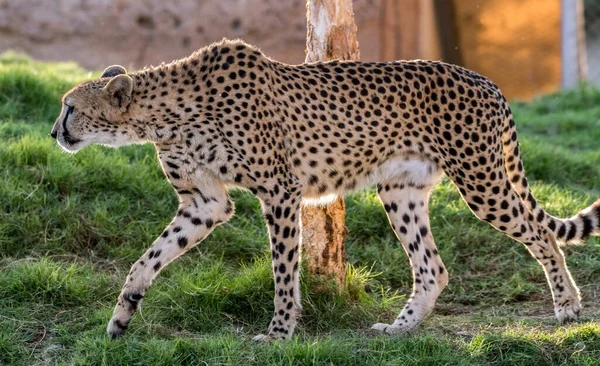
53 133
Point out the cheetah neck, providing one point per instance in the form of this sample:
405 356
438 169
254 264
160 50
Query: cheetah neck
154 110
197 95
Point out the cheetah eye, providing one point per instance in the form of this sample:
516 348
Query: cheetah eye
70 109
68 114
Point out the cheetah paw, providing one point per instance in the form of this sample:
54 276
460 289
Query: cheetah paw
267 338
568 312
116 328
262 338
388 328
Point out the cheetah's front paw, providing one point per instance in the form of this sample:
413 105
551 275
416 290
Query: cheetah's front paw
116 328
266 338
389 328
567 311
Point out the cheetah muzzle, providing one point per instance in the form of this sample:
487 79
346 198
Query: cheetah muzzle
228 116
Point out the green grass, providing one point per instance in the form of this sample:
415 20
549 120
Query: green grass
71 225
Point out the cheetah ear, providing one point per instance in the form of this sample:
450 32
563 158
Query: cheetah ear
118 90
113 70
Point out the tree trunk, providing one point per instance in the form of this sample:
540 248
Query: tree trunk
331 34
581 47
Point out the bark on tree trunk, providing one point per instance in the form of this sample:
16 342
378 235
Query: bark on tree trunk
331 34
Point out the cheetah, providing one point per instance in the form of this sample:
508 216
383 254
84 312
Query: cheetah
229 117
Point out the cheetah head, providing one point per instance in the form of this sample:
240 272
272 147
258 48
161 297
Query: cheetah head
95 112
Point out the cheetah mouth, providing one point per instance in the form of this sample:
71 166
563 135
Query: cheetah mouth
70 139
70 144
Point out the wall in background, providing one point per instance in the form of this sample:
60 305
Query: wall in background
516 43
145 32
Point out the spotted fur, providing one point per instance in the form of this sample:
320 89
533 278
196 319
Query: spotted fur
228 116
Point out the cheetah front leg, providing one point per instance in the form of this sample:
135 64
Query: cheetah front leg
282 217
407 210
198 214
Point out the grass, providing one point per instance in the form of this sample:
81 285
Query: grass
70 227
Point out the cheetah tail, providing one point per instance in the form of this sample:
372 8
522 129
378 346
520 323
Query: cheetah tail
576 229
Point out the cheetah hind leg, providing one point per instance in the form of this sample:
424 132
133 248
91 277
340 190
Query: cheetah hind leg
407 210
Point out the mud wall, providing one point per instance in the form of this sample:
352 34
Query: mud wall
134 33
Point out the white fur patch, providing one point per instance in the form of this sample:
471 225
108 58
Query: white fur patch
411 169
320 201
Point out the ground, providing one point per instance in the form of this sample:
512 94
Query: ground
71 226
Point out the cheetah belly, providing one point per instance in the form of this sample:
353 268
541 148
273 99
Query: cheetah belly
410 169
